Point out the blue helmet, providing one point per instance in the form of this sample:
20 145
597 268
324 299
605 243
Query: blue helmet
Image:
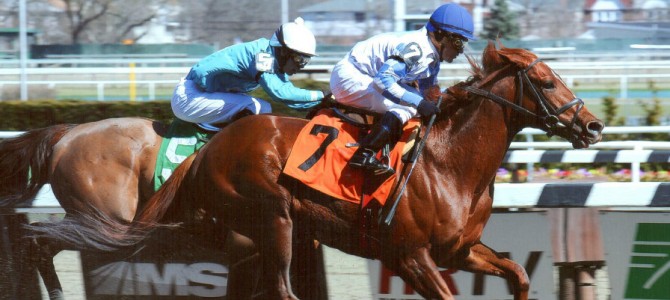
453 18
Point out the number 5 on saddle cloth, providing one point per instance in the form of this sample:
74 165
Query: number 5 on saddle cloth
321 152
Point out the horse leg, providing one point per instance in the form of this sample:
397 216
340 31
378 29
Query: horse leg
244 265
275 247
485 260
419 270
42 252
47 270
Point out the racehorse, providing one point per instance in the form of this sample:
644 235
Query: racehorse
107 166
441 214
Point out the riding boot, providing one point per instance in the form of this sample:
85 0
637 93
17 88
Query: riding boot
387 130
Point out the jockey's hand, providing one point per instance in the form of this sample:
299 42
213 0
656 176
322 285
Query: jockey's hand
327 95
328 98
427 109
327 101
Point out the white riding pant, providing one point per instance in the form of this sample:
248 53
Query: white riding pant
191 104
354 88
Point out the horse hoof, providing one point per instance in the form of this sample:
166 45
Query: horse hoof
56 295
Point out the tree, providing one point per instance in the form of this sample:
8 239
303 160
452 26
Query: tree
92 21
224 22
500 23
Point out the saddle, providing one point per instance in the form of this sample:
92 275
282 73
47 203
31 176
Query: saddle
325 145
181 140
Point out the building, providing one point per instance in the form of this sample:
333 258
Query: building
628 19
346 21
9 41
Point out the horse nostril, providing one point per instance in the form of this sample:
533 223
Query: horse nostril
595 127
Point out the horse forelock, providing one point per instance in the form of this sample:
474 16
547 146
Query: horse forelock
522 58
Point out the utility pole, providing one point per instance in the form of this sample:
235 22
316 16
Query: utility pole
23 49
284 11
399 15
478 12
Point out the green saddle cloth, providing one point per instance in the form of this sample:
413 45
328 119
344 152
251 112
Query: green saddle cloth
182 139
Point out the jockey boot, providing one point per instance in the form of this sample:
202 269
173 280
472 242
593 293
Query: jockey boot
387 130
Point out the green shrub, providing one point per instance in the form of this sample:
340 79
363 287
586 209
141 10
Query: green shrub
25 115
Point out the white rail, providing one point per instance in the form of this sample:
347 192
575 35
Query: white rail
154 72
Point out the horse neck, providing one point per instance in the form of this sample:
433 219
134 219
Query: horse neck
470 144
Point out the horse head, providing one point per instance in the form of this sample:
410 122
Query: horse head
534 95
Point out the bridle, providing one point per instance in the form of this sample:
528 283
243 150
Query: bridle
548 114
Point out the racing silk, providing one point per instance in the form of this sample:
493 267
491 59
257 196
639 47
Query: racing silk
234 70
395 61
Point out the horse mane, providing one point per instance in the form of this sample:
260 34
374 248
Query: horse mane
493 59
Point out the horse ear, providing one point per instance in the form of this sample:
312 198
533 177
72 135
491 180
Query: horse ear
491 58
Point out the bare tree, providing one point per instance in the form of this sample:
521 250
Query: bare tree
551 18
9 12
224 22
80 13
92 21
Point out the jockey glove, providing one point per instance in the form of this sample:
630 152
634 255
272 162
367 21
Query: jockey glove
328 97
427 109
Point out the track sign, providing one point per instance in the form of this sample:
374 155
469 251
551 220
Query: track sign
523 237
169 267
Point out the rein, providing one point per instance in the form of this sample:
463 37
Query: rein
415 155
549 116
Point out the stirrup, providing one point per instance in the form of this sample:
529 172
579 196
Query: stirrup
381 169
370 163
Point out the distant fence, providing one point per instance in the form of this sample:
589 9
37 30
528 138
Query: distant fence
628 78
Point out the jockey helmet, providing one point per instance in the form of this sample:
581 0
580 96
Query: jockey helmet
296 37
452 18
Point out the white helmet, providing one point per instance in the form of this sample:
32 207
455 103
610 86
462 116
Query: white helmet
295 36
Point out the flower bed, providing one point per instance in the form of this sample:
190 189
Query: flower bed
580 174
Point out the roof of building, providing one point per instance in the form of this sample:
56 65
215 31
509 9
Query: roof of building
16 31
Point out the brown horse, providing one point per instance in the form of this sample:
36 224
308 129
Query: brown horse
441 213
106 166
72 158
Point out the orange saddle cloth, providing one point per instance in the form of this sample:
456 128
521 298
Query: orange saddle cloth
323 148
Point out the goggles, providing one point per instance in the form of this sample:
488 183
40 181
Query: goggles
458 42
300 60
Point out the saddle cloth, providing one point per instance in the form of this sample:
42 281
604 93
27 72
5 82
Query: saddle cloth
181 140
321 152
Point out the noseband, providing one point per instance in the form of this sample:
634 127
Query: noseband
548 115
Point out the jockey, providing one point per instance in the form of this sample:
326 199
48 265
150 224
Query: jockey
215 90
376 75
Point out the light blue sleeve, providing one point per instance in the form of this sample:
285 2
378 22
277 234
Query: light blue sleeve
386 81
282 90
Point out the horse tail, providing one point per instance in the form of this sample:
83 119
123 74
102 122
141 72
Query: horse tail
94 230
163 201
24 162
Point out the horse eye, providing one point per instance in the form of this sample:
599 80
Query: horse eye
548 85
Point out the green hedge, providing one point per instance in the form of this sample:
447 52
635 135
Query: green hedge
20 115
25 115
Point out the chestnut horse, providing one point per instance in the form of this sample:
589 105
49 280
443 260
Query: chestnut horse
441 213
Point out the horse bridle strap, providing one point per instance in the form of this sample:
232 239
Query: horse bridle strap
550 118
500 100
